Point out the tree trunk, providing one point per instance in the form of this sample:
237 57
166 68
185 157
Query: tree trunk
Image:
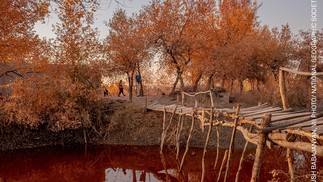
196 82
178 78
241 86
130 82
231 87
181 82
175 84
210 82
223 82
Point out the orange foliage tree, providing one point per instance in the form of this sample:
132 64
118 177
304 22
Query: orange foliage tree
126 46
61 88
175 28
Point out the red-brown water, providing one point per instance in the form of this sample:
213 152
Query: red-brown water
123 164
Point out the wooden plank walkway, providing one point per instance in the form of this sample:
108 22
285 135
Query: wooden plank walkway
282 125
271 125
280 120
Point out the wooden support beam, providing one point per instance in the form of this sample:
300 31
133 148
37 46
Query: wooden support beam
222 164
187 143
178 134
300 72
163 136
231 147
242 156
281 140
260 150
282 89
217 147
289 155
203 120
205 145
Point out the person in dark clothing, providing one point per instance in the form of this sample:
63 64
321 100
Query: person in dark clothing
138 82
105 91
121 89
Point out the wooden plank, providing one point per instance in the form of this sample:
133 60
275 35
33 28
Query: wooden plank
285 123
290 116
319 129
291 122
301 72
249 115
275 113
259 110
255 107
319 121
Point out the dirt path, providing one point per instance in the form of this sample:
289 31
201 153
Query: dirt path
141 101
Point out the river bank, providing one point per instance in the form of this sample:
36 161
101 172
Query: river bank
124 124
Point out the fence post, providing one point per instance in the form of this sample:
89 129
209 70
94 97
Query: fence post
282 89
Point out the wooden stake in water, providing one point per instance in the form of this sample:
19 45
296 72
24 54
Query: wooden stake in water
260 149
242 157
217 147
188 141
289 155
222 164
231 147
206 143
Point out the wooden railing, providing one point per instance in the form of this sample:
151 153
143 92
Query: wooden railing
198 93
282 83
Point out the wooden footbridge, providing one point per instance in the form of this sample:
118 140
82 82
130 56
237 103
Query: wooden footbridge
262 125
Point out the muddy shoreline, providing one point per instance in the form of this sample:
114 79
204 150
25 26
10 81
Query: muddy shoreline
125 124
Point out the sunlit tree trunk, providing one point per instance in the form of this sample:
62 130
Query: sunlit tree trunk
223 82
241 85
175 84
181 82
130 82
210 82
178 78
197 81
231 87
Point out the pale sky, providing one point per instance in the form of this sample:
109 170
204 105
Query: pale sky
273 13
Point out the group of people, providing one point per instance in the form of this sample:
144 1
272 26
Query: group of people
120 86
106 91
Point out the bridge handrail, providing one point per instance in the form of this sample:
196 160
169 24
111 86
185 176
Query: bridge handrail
198 93
301 72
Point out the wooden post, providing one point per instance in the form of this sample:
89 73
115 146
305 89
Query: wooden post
211 98
282 89
231 147
242 156
206 143
260 149
289 155
178 134
217 147
222 164
187 142
163 160
163 136
183 95
203 120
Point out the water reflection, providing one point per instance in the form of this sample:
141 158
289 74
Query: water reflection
116 163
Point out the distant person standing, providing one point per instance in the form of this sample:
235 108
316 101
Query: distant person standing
121 89
138 82
105 91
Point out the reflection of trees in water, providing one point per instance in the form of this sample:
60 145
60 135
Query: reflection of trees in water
73 171
129 163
